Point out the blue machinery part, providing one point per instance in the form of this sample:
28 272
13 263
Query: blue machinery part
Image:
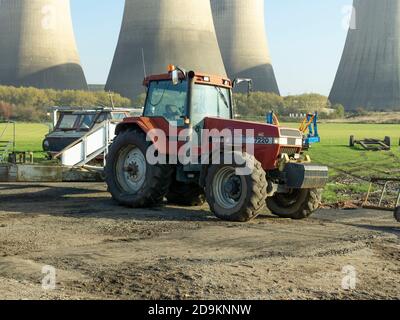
309 123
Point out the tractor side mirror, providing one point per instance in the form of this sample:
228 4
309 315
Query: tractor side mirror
249 84
175 77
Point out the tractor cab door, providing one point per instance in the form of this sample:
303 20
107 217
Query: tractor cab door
166 100
208 101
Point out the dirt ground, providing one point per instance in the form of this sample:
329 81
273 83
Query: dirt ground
102 251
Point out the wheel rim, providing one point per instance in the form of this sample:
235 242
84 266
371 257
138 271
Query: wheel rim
131 169
227 188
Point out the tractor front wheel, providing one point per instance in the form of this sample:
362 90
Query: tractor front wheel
131 180
296 204
234 197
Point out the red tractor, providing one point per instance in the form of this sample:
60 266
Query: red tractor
186 107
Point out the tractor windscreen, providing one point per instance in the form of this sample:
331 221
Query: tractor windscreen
210 101
67 122
86 121
167 100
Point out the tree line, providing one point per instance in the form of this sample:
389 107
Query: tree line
258 104
31 104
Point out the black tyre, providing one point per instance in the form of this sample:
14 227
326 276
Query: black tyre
235 197
131 180
297 204
352 141
397 214
387 141
186 194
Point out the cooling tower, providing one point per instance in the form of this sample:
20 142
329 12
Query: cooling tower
37 45
369 72
240 27
156 33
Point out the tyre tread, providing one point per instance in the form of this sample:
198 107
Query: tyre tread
157 188
255 204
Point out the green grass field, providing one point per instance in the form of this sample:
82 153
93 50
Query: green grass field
334 149
29 137
350 168
346 164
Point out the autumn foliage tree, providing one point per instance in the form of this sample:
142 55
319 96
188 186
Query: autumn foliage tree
5 110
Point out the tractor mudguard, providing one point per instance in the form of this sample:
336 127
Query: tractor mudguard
148 125
305 176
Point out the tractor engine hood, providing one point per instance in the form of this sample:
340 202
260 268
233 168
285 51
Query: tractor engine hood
270 141
263 133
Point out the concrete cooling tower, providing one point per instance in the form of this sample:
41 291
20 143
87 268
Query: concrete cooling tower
240 27
156 33
369 72
37 45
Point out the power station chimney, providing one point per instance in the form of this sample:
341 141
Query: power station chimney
240 27
37 45
156 33
369 72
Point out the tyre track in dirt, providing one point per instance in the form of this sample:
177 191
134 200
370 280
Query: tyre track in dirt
101 250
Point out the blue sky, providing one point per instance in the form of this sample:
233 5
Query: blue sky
306 40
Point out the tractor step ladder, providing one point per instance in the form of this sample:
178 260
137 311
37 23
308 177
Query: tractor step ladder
89 147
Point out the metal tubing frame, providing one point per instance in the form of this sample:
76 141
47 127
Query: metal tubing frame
384 191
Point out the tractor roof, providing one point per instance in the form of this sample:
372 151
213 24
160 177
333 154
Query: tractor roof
83 110
201 78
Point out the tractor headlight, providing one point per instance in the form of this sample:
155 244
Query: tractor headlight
46 145
281 141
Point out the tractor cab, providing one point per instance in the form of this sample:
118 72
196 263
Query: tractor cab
71 123
187 98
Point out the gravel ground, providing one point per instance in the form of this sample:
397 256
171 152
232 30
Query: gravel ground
102 251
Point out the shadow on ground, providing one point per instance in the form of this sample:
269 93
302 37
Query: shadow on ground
89 201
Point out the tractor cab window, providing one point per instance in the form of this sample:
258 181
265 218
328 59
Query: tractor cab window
67 122
102 117
210 101
167 100
86 121
118 116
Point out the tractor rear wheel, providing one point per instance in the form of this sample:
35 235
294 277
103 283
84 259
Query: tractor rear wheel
131 180
186 194
296 204
397 214
235 197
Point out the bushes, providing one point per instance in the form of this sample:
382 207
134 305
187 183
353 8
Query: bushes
31 104
258 104
305 103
